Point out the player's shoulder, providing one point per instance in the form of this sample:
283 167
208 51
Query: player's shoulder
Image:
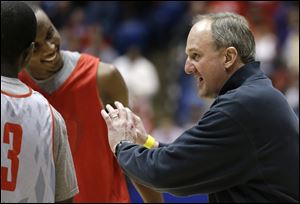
70 54
107 75
106 70
39 98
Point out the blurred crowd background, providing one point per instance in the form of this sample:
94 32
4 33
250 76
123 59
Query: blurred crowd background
146 42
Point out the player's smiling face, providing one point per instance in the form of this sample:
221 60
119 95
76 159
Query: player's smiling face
46 59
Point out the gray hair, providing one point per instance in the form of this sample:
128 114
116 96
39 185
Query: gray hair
229 29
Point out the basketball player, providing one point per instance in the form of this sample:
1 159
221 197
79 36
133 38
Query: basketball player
36 162
78 85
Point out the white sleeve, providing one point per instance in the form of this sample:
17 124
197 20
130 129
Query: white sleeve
66 182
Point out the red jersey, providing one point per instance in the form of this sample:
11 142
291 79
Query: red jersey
99 176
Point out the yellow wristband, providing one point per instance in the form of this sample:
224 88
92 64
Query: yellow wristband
150 142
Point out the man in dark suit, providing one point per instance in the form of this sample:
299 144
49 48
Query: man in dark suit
246 146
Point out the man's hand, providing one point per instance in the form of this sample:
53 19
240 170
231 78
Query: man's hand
120 125
141 133
123 124
139 128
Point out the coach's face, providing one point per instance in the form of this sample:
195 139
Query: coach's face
46 59
204 61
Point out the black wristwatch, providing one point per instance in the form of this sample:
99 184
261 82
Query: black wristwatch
117 148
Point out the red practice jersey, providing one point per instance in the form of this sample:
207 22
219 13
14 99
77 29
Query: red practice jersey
99 176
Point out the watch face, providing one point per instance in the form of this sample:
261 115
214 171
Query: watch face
126 141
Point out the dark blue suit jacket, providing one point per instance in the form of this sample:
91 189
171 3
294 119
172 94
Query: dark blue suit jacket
244 149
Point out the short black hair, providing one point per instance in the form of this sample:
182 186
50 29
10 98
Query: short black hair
18 29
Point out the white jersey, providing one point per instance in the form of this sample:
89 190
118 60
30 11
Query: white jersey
27 163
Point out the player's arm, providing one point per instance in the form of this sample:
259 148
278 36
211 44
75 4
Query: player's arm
148 194
66 186
112 87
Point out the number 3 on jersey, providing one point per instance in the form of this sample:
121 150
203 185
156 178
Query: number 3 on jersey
15 146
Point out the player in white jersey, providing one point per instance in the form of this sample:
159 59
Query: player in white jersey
36 163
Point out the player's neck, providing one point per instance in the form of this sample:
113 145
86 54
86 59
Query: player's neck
8 70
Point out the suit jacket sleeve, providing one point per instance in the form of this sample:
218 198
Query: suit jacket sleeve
213 155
